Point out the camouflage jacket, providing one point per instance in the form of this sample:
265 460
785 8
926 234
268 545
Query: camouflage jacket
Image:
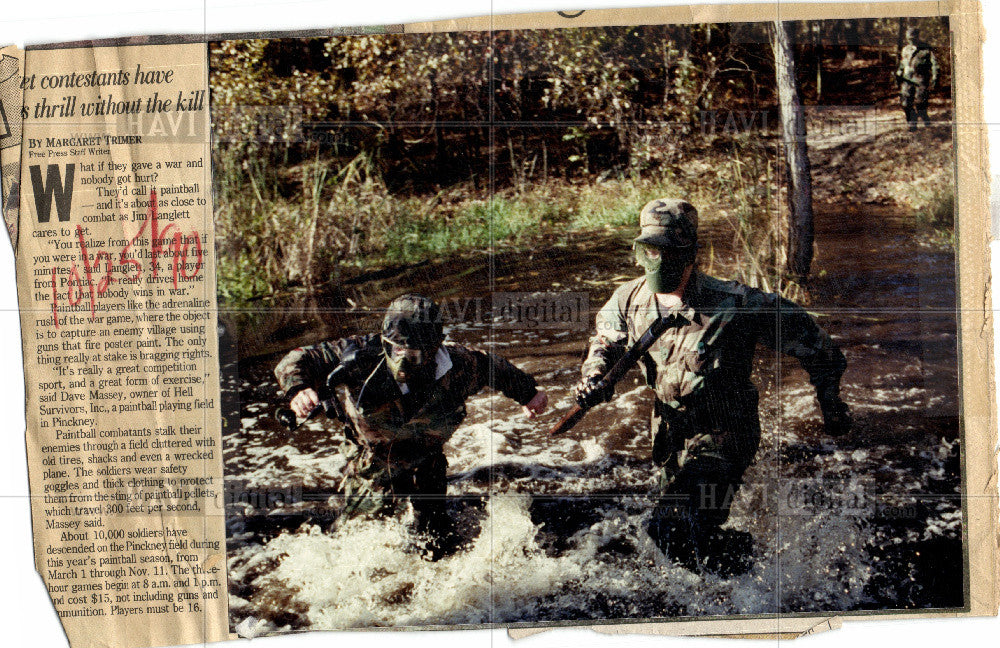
382 416
917 65
702 365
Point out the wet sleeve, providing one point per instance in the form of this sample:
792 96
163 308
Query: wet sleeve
308 366
500 374
610 338
789 328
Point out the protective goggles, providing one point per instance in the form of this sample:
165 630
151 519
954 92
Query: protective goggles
646 254
647 251
398 353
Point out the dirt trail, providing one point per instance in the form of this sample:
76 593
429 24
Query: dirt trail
867 155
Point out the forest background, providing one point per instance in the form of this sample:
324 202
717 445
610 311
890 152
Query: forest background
361 155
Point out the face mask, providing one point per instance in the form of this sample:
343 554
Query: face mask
411 366
664 270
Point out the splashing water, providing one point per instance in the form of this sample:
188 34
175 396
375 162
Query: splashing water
562 534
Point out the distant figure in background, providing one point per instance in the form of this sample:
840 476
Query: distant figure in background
917 74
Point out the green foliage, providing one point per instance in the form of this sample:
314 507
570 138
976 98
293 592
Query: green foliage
279 228
338 153
937 212
605 78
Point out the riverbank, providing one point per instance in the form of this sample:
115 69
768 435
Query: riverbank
306 227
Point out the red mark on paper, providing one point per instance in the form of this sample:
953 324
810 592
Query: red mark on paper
168 242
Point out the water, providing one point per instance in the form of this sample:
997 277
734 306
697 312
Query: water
554 528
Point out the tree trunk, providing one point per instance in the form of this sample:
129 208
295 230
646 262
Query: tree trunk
817 38
439 156
793 135
852 41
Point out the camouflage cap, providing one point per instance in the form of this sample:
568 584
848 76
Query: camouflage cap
413 321
669 222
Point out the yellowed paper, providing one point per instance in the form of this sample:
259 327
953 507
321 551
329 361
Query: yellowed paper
117 314
785 630
118 294
11 73
720 13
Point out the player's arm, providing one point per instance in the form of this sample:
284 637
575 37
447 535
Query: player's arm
797 334
303 370
606 347
502 375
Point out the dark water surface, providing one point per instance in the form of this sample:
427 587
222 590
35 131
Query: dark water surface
554 527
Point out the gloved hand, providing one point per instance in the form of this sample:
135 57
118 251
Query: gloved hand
588 394
836 417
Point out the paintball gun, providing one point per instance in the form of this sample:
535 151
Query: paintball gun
617 372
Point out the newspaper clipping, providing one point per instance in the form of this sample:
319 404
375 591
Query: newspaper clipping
662 320
118 297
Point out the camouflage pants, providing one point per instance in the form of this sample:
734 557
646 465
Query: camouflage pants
377 479
914 99
702 460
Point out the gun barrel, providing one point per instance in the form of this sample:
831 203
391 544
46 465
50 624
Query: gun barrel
287 417
631 357
566 423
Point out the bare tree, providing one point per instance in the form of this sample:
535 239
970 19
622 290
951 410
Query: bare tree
815 28
852 41
793 136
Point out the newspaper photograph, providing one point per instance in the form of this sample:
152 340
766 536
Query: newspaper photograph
669 321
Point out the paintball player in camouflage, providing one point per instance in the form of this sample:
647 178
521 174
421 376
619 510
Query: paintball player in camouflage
705 425
916 74
406 392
